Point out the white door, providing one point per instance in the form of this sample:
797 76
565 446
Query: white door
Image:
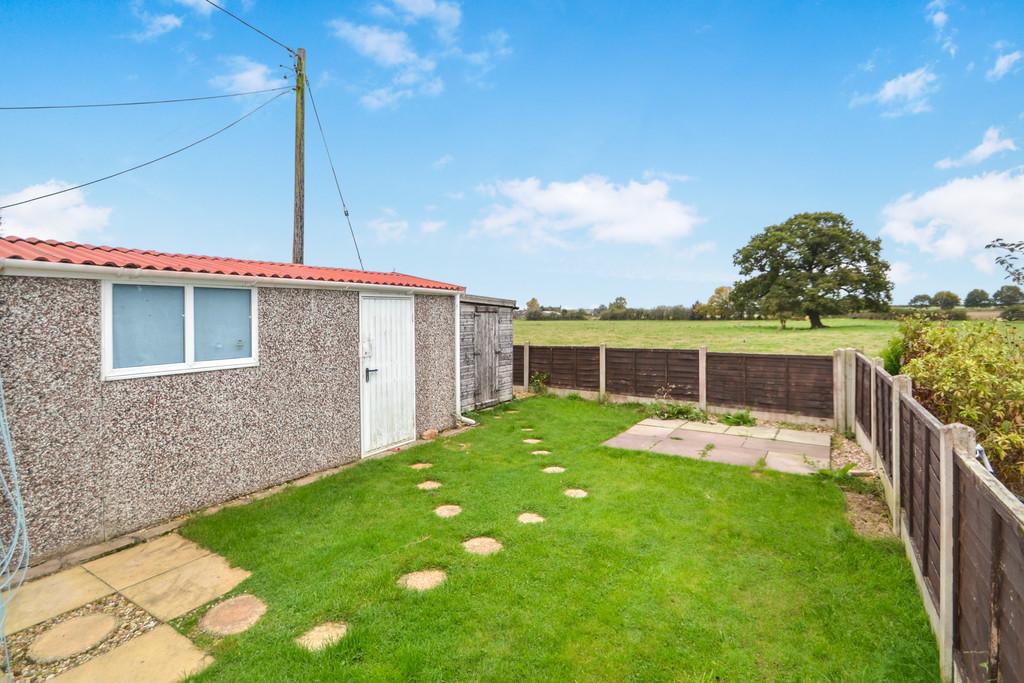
387 371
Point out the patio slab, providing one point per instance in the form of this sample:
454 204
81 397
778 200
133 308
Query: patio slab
655 422
758 432
146 560
160 656
817 453
181 590
632 442
812 438
710 427
789 462
45 598
649 430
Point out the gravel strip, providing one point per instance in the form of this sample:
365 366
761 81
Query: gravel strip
133 621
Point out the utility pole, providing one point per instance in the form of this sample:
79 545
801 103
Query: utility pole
300 156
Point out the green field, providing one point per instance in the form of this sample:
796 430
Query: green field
753 336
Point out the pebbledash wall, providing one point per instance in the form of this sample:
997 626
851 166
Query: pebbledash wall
101 458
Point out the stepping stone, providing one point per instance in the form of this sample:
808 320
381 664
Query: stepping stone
423 580
540 452
232 616
554 469
447 510
72 637
428 485
530 518
482 545
421 466
526 429
181 590
324 635
497 417
160 656
531 441
45 598
576 493
512 412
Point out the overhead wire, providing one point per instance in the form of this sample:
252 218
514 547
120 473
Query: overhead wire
144 102
337 185
243 21
147 163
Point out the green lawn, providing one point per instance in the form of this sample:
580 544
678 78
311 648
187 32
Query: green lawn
671 569
753 336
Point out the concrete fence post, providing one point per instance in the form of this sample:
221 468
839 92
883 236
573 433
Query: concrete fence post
901 386
702 378
602 364
839 389
526 365
948 436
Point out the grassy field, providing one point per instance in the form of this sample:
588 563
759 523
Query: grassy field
671 569
752 336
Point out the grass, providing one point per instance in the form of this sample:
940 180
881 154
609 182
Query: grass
672 569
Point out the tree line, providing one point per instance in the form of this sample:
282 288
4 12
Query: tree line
1007 295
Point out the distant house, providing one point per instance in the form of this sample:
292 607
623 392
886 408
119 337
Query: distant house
142 385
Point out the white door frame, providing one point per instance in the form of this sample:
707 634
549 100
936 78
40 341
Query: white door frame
364 452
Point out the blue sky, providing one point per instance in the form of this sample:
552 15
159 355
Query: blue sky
569 151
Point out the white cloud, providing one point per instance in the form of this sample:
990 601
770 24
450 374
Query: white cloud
432 226
443 161
446 15
199 6
991 144
937 16
905 94
984 262
651 174
457 196
65 216
386 48
245 75
154 25
901 272
957 219
635 212
389 227
383 97
1005 64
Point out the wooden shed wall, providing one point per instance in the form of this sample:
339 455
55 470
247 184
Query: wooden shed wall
467 354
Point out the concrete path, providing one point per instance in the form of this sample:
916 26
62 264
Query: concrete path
168 577
785 450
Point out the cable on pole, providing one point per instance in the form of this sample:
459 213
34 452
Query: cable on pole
323 137
146 102
243 21
147 163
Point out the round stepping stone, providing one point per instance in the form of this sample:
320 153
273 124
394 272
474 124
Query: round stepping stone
447 510
324 635
423 580
540 452
72 637
554 469
576 493
428 485
482 545
497 417
232 616
421 466
531 441
527 429
530 518
512 412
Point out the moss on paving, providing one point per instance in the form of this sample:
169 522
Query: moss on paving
671 569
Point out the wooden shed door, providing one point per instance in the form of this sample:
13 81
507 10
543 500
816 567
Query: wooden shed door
485 341
387 371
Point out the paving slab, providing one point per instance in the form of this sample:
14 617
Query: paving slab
812 438
648 430
146 560
724 440
789 462
817 453
669 424
728 455
685 448
711 427
44 598
632 441
181 590
755 431
160 656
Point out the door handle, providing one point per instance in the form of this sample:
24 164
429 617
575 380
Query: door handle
368 371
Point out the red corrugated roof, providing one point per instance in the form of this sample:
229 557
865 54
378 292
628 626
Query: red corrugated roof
51 251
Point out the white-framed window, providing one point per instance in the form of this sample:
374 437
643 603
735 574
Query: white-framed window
157 328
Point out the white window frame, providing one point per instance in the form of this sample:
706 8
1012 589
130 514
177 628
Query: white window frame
109 372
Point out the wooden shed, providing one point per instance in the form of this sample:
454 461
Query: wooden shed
485 330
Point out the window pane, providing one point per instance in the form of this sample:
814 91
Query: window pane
149 325
223 326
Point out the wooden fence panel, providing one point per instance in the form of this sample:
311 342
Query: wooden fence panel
862 398
517 365
620 369
883 420
919 481
684 374
787 384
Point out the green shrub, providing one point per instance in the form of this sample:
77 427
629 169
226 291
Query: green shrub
892 355
973 373
675 411
1013 313
539 382
738 418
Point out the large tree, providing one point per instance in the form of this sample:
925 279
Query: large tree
1008 295
921 301
818 261
946 300
977 298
